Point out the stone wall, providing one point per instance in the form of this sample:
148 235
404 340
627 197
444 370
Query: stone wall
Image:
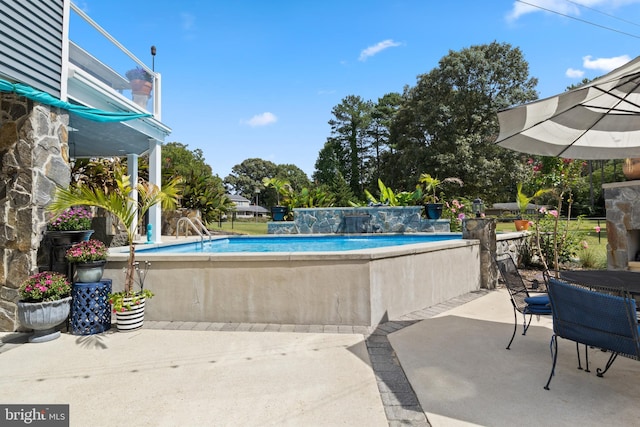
622 202
373 219
33 161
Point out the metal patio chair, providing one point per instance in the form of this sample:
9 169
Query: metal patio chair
595 316
521 300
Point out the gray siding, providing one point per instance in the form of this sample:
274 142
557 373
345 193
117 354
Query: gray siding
31 42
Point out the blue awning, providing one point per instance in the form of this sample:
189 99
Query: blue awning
86 112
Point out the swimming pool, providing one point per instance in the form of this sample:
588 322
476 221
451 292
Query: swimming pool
347 287
293 243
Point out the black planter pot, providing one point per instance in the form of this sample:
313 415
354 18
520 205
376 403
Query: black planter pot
278 212
56 244
433 210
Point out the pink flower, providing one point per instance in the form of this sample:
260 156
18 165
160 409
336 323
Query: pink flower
461 216
543 210
584 244
554 213
597 228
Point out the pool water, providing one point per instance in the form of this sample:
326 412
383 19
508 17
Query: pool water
336 243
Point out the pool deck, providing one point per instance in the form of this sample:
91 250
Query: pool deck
442 366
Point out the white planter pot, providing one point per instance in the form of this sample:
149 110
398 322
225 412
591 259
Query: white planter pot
130 320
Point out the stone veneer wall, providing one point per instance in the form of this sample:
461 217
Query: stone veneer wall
33 161
373 219
622 202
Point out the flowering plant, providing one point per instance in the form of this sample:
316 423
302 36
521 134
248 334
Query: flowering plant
72 219
88 251
139 73
457 210
123 300
45 286
432 184
120 302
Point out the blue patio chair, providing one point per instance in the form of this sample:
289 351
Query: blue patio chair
598 317
521 300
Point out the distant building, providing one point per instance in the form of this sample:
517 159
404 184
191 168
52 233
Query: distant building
244 208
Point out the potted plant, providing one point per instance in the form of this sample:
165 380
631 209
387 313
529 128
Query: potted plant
141 82
433 207
44 304
64 229
281 187
89 258
129 211
522 200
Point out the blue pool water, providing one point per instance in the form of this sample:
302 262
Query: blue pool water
300 244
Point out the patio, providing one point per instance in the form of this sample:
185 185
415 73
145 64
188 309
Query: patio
257 374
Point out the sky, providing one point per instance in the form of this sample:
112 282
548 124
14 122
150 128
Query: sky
258 79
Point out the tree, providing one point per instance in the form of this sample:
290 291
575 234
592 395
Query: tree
178 160
350 140
380 131
247 177
448 122
294 175
201 189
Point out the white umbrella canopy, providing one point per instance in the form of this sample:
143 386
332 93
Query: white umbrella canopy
598 121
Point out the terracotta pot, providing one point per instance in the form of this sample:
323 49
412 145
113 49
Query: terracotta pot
141 87
631 168
521 224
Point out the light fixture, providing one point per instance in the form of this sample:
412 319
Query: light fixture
478 207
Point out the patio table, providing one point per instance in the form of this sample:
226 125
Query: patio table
618 279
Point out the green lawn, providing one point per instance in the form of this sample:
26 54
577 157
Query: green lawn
241 227
595 255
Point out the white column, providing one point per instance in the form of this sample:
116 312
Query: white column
155 177
132 171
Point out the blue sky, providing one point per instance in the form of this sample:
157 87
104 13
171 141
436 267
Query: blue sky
244 79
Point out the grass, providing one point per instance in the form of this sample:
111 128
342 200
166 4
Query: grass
241 227
595 255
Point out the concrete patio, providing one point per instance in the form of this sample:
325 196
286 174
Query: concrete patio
197 374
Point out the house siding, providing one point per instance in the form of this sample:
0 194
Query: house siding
31 34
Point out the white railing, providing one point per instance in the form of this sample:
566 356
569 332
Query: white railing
98 53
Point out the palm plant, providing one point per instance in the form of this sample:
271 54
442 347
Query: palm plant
522 200
281 186
122 205
432 184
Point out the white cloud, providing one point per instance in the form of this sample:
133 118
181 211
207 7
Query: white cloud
605 64
261 119
188 21
574 74
377 48
561 6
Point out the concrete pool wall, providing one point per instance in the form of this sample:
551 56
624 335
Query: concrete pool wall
354 288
